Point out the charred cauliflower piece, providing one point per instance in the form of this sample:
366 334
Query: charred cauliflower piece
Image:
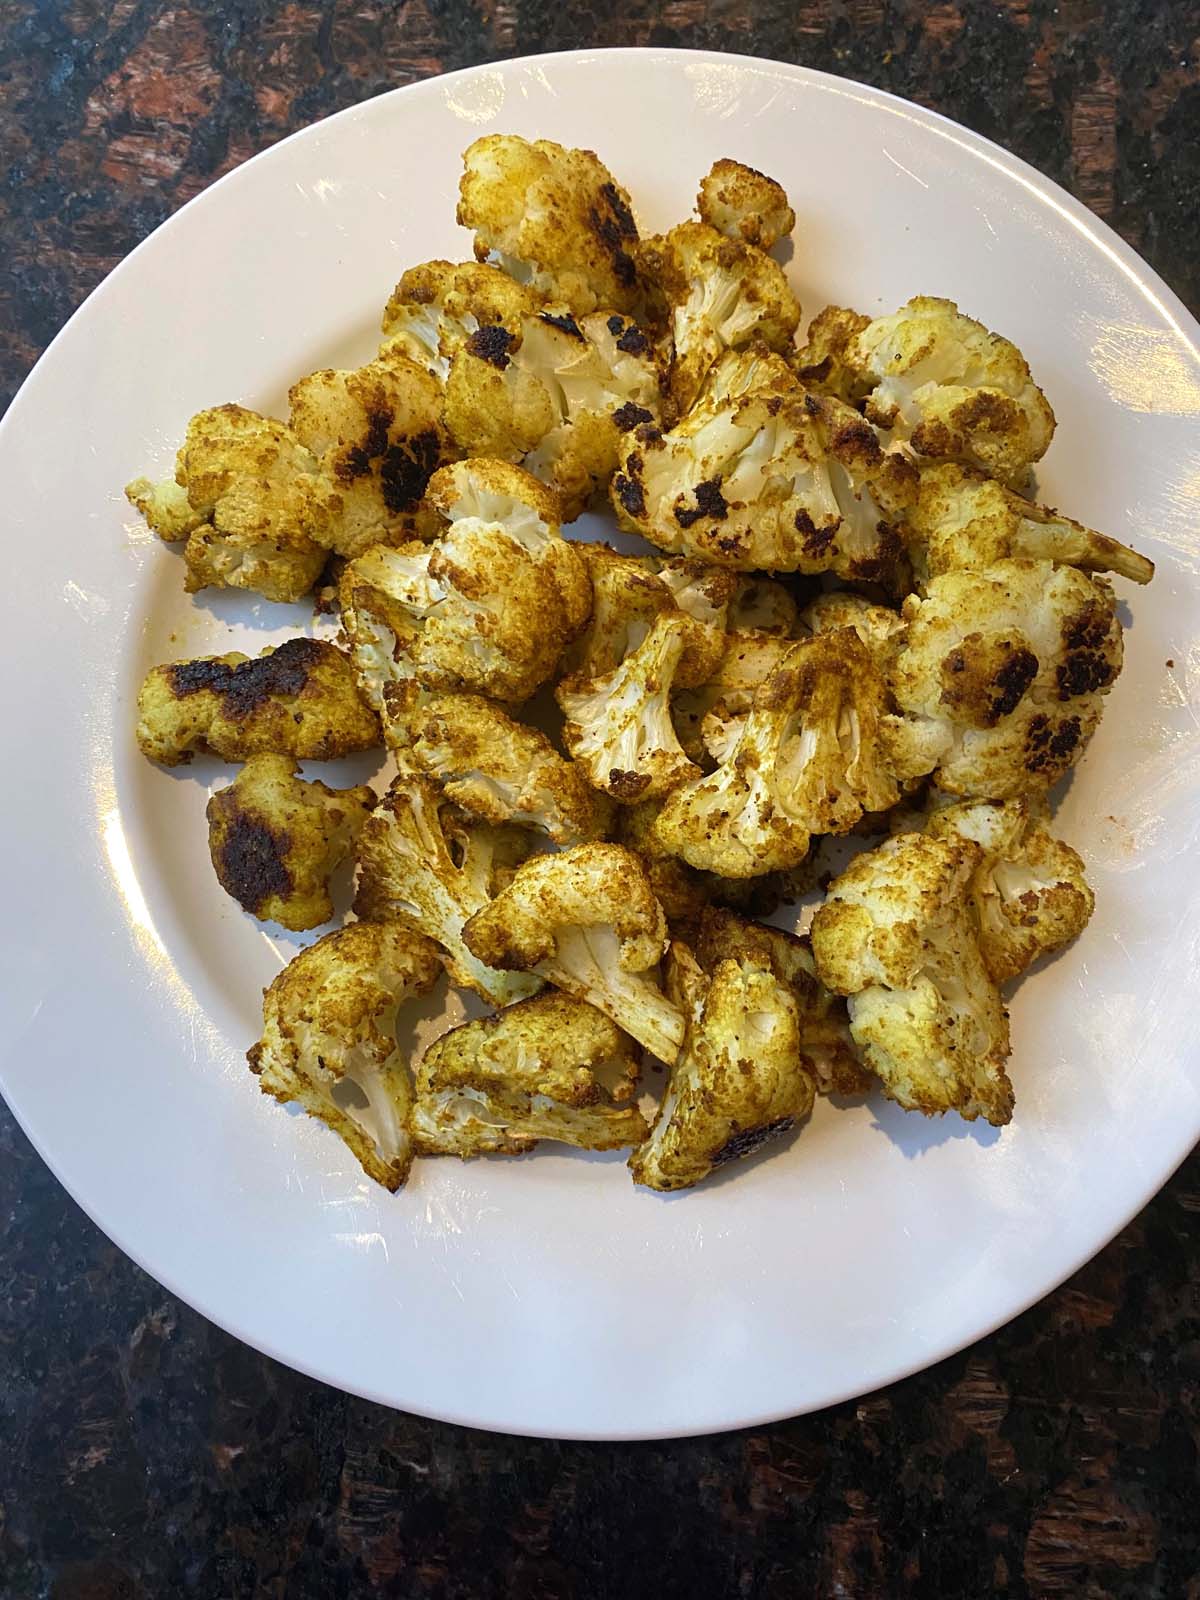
246 498
546 1068
710 718
743 203
776 480
424 863
880 628
329 1025
298 699
378 435
896 935
496 768
950 388
821 362
738 1080
964 521
553 218
627 597
588 921
760 605
276 839
436 307
1002 675
811 757
705 592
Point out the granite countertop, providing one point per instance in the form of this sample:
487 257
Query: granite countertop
145 1454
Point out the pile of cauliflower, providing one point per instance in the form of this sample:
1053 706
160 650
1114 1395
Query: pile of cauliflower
845 617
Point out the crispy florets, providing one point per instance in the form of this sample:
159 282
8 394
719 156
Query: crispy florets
496 768
626 598
298 699
897 936
554 218
879 627
709 718
587 920
963 520
436 307
760 605
329 1023
821 362
546 1068
950 388
743 203
426 864
1002 675
275 839
738 1080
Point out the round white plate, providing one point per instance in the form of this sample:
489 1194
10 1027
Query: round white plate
548 1296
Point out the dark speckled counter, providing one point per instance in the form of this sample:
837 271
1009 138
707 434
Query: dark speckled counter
145 1454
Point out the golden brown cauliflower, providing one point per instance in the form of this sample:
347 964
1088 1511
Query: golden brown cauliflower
1002 675
426 864
553 218
496 768
760 605
739 1079
950 388
546 1068
821 362
436 307
709 718
329 1039
276 839
811 757
298 699
879 627
963 520
587 920
626 598
246 499
897 936
743 203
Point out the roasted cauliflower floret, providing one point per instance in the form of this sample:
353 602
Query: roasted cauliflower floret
738 1081
723 294
553 218
275 839
811 757
329 1038
777 481
879 627
436 307
378 435
424 863
950 388
705 592
587 920
1002 675
246 498
546 1068
760 605
496 768
963 520
743 203
709 718
682 891
1029 891
626 598
821 362
298 699
896 935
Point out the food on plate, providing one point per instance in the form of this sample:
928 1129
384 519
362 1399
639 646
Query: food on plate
842 656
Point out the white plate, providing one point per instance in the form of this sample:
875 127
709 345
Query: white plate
549 1296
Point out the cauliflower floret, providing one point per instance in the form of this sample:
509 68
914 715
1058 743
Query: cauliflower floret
378 434
275 839
587 920
618 726
246 498
781 481
709 718
743 203
964 520
821 362
329 1038
626 598
950 388
760 605
896 935
738 1080
436 307
723 294
298 699
704 591
1029 890
556 393
1002 675
811 757
492 766
554 218
879 627
426 864
547 1068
